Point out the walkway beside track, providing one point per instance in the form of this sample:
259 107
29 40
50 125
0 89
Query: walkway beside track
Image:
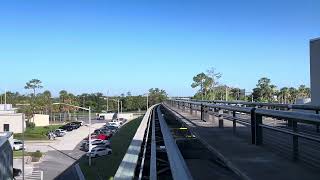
246 160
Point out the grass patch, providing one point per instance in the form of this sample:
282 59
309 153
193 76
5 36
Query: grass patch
36 133
106 167
19 154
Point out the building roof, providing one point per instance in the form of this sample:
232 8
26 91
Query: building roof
4 136
315 39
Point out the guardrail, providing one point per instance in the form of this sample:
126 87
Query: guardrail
153 152
260 104
128 165
257 119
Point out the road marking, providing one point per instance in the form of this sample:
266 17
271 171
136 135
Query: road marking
35 175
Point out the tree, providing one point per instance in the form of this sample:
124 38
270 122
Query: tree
157 96
204 82
303 91
265 91
34 84
215 76
284 95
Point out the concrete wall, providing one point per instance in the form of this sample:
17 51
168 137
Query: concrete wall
109 116
315 71
5 107
14 121
7 112
128 116
40 120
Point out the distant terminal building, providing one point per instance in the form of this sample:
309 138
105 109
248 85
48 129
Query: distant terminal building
315 70
6 156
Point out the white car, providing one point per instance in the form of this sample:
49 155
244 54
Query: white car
114 123
17 145
99 152
95 143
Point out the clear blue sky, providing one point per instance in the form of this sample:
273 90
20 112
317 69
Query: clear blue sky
91 45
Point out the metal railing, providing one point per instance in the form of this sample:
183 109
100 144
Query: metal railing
266 126
309 107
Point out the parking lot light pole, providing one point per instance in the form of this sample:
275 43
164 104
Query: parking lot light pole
117 101
147 94
86 109
23 121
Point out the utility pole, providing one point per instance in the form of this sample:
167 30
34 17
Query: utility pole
226 93
121 106
118 106
107 104
5 99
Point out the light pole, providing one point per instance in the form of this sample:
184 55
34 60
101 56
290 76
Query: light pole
121 106
23 121
86 109
147 94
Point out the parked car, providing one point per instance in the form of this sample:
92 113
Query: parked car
122 120
80 123
114 123
67 128
74 125
95 143
60 132
17 145
99 152
113 129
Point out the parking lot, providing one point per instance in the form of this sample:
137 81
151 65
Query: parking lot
59 153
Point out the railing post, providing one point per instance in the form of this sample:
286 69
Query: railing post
258 122
295 142
289 121
220 118
234 122
201 111
318 128
253 126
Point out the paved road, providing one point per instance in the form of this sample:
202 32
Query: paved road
61 154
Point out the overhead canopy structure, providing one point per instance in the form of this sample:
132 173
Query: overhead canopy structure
314 70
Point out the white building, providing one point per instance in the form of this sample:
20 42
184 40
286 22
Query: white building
10 120
314 70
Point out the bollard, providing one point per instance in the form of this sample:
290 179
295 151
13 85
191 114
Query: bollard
220 118
295 142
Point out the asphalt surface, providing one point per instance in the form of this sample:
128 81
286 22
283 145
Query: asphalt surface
58 162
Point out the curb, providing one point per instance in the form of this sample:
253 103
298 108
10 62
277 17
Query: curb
79 172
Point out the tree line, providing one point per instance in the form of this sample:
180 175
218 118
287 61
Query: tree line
265 91
43 102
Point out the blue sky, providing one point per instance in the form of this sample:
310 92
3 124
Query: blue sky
120 46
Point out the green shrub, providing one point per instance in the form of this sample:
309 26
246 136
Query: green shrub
30 125
36 154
